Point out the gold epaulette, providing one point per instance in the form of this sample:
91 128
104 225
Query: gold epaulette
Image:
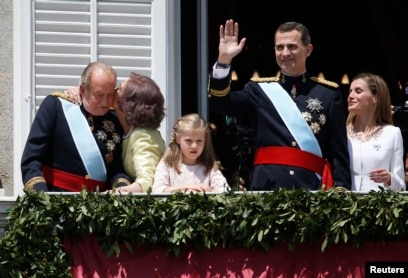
61 95
265 79
325 82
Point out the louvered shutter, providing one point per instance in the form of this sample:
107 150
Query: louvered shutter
70 34
55 39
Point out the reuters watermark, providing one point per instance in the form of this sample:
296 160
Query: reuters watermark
386 269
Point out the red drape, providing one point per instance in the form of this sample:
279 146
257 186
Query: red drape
305 261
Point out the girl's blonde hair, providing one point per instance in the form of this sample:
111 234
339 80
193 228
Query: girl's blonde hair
173 156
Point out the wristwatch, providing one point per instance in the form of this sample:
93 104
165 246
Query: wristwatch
223 66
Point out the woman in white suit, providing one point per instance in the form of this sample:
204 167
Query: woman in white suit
375 145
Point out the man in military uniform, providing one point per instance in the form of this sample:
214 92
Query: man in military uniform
298 120
71 147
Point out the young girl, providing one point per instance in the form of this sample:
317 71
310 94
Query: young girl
189 163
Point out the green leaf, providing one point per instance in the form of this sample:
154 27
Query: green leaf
260 235
324 244
353 208
37 223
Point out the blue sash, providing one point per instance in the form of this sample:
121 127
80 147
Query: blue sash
84 141
292 117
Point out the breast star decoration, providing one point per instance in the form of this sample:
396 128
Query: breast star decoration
108 135
314 106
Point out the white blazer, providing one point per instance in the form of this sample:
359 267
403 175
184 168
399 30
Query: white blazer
383 150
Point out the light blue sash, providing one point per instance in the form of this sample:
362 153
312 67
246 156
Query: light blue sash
84 141
292 117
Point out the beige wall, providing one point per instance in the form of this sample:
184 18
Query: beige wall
6 95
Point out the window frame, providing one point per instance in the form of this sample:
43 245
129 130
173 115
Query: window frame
165 69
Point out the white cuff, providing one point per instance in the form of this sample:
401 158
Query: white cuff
219 73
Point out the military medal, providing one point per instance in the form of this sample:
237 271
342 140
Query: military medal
314 105
293 91
90 122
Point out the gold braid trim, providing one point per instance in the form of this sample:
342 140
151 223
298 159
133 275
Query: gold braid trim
120 180
33 181
325 82
220 93
265 79
61 95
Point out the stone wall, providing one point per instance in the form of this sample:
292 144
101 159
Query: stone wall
6 97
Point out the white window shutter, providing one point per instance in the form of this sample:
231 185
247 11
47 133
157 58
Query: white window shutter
70 34
55 39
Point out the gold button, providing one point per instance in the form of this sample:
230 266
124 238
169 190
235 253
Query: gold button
291 172
293 144
87 177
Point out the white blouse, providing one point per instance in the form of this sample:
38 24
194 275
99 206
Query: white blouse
383 149
166 176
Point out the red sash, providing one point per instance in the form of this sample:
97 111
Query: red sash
296 157
70 181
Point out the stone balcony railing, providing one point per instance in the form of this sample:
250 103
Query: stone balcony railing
5 204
